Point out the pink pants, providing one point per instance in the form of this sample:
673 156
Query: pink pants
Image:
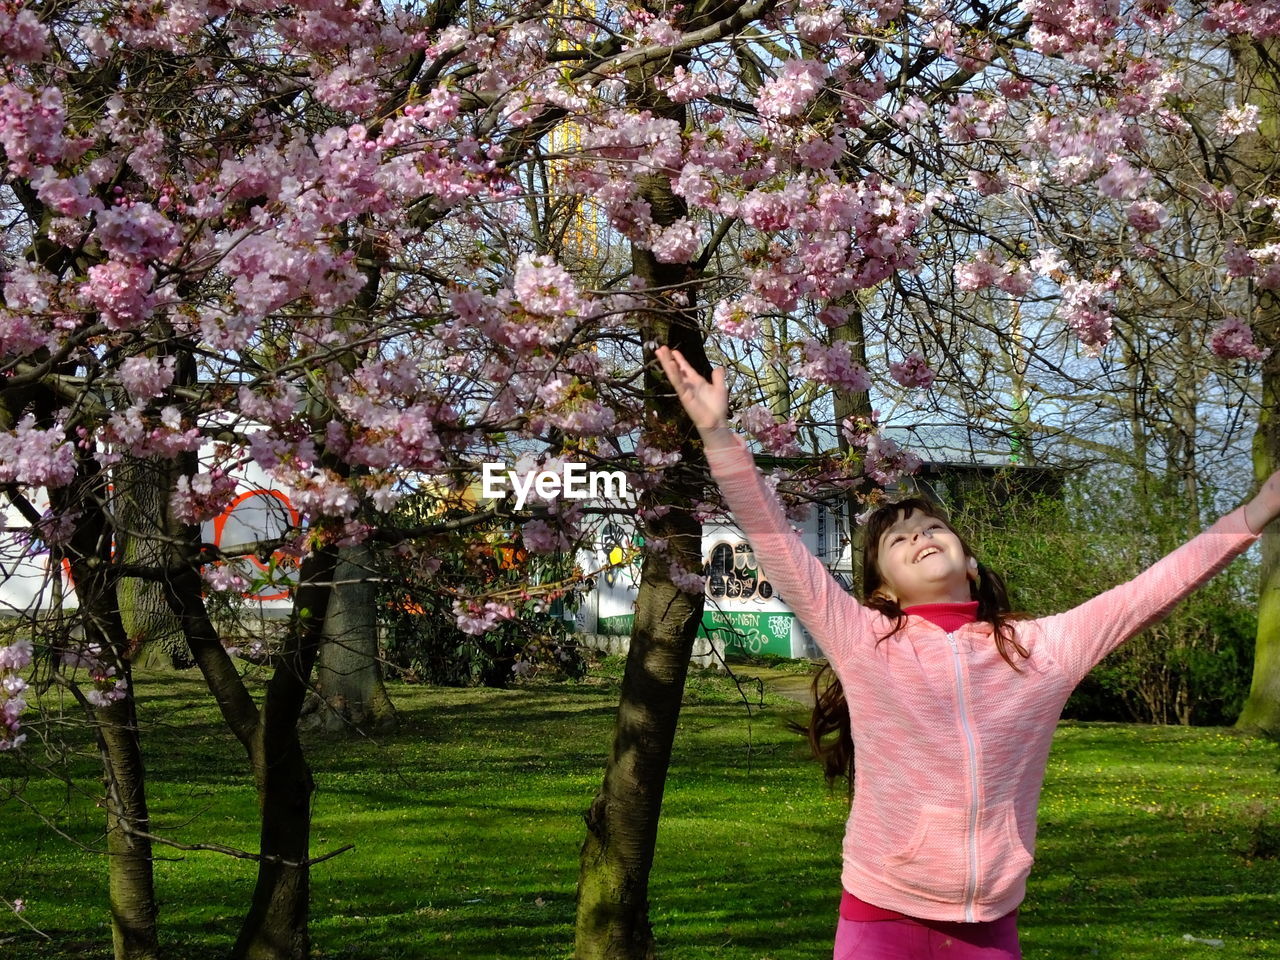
904 940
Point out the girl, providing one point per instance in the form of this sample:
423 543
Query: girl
952 705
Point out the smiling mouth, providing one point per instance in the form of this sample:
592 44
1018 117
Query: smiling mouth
926 552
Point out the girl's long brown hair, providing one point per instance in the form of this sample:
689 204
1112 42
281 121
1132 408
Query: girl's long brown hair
830 711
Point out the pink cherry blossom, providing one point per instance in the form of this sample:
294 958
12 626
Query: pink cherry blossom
912 372
1238 119
979 273
777 437
223 578
833 316
541 537
787 95
121 292
1265 265
544 287
1086 306
883 459
1258 19
678 243
1147 216
33 457
475 618
685 581
136 232
14 658
1219 198
21 333
1122 180
740 318
67 196
320 493
974 118
1232 339
31 127
685 85
107 687
23 38
202 496
817 22
1238 261
145 378
144 434
987 183
834 365
819 153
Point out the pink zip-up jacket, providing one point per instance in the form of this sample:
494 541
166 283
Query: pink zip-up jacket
951 741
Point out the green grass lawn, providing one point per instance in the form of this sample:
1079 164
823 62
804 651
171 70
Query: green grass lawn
467 824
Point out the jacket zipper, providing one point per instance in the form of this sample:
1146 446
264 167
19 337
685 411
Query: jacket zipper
971 880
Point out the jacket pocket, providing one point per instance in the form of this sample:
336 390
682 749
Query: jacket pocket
934 863
1006 861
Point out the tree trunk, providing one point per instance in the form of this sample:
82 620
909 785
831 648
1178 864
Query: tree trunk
853 404
275 927
622 823
1262 708
350 696
140 502
130 884
1259 79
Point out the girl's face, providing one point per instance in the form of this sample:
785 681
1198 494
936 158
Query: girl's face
921 560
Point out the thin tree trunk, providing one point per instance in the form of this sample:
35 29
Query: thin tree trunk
130 884
853 404
1262 708
1259 79
350 696
275 927
622 823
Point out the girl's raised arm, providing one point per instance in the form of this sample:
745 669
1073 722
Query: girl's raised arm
831 614
1079 638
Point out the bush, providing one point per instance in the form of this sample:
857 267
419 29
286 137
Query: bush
419 586
1192 668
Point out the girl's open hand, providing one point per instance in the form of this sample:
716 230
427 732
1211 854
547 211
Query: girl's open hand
707 403
1264 507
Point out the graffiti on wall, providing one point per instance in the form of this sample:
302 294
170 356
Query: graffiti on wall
732 572
28 581
259 515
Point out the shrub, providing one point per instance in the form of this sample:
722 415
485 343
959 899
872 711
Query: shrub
1056 552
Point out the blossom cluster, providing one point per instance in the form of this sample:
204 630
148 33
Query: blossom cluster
106 685
985 270
475 618
33 457
202 496
778 437
834 365
1233 340
14 658
912 371
1087 307
883 459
